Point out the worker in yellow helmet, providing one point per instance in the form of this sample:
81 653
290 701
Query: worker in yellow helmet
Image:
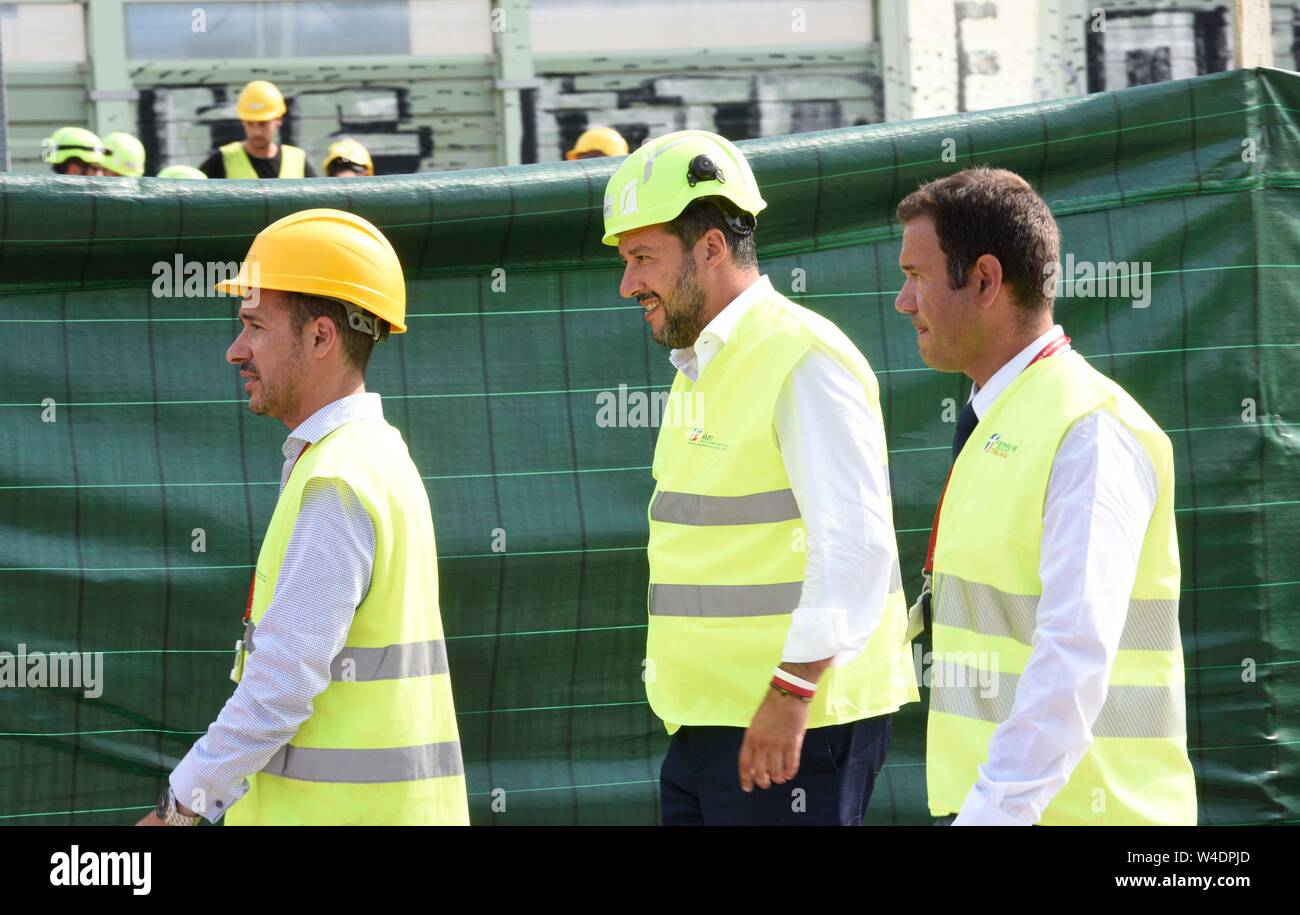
123 156
181 171
73 151
347 158
597 142
775 651
343 713
261 110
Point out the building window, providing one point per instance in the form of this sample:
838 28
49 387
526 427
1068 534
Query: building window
343 28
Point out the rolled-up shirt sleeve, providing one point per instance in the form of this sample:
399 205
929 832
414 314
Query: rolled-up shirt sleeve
323 579
831 444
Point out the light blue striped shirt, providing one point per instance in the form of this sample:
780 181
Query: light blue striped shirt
323 579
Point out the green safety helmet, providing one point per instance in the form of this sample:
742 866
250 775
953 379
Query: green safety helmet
72 143
181 171
656 183
124 155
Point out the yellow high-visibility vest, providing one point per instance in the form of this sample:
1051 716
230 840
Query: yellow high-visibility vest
381 745
727 543
292 161
986 593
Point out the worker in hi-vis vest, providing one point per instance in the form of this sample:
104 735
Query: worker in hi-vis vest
343 713
775 650
261 110
1057 679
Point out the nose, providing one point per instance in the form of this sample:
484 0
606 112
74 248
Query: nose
905 302
631 284
238 352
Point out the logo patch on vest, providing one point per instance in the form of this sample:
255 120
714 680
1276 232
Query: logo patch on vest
698 436
998 448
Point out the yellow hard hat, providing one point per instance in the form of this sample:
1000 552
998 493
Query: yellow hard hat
123 155
260 101
327 253
348 150
658 181
604 140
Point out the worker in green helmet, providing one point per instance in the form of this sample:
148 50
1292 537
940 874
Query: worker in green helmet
775 650
73 151
181 171
123 156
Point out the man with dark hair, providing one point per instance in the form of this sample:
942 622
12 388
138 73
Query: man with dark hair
343 713
775 650
1057 688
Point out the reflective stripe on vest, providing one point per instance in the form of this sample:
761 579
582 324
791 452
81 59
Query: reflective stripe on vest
1129 711
737 600
1151 624
393 662
389 764
760 508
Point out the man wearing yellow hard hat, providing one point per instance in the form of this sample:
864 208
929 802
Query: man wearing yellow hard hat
347 158
261 109
598 142
775 650
343 713
123 156
74 151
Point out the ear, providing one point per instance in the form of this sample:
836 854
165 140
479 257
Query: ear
715 248
323 336
986 276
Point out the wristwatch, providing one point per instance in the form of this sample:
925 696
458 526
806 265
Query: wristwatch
167 812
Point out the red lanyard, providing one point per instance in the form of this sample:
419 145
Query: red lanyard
252 582
1051 349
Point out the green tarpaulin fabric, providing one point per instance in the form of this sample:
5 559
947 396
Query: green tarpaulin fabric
136 486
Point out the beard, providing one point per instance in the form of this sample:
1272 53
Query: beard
279 395
683 311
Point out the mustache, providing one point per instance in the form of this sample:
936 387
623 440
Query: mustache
648 295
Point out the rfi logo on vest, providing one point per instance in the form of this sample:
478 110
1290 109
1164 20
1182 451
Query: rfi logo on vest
698 436
998 448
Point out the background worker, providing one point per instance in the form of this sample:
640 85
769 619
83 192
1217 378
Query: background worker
1055 559
181 171
347 158
261 110
343 713
596 142
775 650
123 156
73 151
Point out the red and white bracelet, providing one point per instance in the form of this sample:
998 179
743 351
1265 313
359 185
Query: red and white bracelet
788 683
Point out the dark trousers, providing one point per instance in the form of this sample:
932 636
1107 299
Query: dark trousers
700 783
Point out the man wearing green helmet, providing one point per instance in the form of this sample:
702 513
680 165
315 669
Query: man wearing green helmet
776 649
73 151
123 155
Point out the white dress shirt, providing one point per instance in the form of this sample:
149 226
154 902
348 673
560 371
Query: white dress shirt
324 577
1100 498
831 445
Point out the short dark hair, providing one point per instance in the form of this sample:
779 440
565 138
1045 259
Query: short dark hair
357 346
986 210
703 214
62 167
339 166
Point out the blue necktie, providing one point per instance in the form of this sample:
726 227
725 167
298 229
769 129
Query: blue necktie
966 423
